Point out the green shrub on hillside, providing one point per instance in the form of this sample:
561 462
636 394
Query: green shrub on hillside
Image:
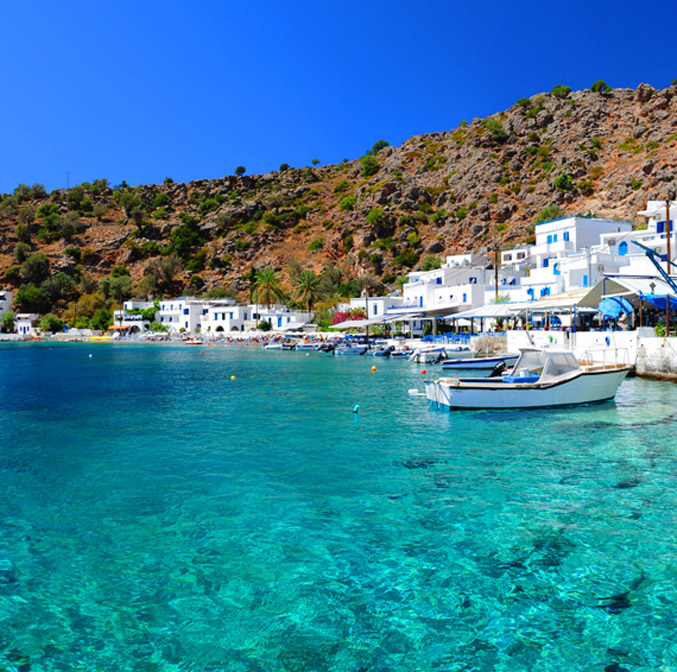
600 86
548 213
561 91
208 205
347 203
316 244
408 258
47 209
370 166
498 133
376 216
431 263
161 200
342 187
563 182
23 233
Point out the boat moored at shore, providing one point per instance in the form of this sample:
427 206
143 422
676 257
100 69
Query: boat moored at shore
541 378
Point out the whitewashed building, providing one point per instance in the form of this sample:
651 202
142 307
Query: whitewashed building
377 306
280 317
24 323
181 315
224 315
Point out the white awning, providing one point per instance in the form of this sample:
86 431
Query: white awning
490 310
357 324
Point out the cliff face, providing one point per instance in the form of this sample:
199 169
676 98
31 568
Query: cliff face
477 186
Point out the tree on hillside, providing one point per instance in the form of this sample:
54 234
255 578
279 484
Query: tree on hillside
35 269
128 202
267 288
51 323
32 299
307 290
7 322
240 171
160 275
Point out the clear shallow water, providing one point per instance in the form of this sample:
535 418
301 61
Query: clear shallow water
158 516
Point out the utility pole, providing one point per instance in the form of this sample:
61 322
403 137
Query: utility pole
495 273
670 197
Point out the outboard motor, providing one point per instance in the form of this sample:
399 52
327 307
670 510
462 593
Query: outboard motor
498 369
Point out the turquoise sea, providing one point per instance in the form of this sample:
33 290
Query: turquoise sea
159 516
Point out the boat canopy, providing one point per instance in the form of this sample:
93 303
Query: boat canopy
549 365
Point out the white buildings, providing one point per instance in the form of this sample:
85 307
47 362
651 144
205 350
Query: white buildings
224 315
280 317
192 316
376 306
569 253
182 315
23 323
463 282
6 298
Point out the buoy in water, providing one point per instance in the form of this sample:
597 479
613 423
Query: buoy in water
373 369
423 372
412 392
232 377
356 409
90 354
202 352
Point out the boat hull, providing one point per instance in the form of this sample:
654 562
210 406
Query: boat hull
352 350
585 388
479 363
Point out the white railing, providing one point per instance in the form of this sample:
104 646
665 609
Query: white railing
606 358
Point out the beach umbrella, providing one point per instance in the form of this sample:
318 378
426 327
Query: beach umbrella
615 306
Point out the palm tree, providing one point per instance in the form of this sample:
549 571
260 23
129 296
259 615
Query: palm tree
307 289
267 289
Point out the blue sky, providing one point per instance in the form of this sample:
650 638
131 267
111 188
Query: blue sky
139 91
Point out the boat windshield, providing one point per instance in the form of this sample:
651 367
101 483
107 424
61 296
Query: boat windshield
530 363
560 363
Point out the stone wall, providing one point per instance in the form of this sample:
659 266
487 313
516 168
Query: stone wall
657 358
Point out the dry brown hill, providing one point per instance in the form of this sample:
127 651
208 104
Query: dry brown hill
471 188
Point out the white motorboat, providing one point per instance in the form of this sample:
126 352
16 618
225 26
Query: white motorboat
355 349
480 363
540 378
279 345
438 353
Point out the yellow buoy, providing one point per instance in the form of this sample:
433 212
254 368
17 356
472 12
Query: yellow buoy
232 377
373 369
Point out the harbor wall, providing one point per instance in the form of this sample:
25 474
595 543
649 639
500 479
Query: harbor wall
657 358
652 356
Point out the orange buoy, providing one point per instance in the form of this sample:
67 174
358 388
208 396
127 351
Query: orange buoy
423 372
373 369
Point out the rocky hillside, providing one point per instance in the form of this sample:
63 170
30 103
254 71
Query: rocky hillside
482 184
